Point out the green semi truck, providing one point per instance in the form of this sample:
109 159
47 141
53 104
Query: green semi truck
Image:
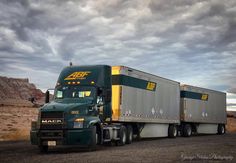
94 105
101 104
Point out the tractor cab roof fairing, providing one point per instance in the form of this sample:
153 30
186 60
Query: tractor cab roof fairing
98 75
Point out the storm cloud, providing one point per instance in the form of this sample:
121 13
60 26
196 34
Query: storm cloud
189 41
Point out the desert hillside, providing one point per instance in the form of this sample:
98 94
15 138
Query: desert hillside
17 92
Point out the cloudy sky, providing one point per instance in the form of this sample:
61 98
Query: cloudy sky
193 42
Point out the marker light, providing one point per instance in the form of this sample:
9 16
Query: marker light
79 120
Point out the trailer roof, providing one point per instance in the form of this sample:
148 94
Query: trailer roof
183 85
146 73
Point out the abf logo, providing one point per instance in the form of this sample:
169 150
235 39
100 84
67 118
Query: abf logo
204 97
78 75
151 86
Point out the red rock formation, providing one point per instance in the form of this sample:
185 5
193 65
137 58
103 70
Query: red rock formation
18 89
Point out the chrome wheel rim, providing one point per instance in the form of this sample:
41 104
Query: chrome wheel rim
189 131
124 137
223 129
175 132
131 136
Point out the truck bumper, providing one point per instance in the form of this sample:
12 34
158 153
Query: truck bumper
81 137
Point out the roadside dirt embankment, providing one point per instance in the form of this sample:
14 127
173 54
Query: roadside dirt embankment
19 102
16 122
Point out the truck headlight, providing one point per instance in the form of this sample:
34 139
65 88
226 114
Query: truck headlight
78 123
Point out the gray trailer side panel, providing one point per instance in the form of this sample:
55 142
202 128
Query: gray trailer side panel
212 110
159 106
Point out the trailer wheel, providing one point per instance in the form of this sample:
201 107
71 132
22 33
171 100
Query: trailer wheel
129 134
122 134
187 130
172 131
43 148
221 129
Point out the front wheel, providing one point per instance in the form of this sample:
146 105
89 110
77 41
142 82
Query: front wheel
94 140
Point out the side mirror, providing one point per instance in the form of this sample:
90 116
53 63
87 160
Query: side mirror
47 96
100 103
99 100
100 91
106 93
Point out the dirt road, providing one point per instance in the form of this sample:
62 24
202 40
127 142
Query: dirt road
213 148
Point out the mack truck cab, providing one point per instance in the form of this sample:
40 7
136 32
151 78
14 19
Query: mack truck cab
80 112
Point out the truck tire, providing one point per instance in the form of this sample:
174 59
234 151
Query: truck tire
122 135
221 129
99 139
43 148
93 144
172 131
129 134
187 130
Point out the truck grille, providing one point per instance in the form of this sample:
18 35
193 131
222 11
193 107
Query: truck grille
52 120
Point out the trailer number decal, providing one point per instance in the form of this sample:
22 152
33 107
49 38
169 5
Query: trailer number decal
78 75
151 86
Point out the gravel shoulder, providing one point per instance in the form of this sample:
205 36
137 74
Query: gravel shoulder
201 148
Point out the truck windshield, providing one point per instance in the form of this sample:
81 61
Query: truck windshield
80 92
